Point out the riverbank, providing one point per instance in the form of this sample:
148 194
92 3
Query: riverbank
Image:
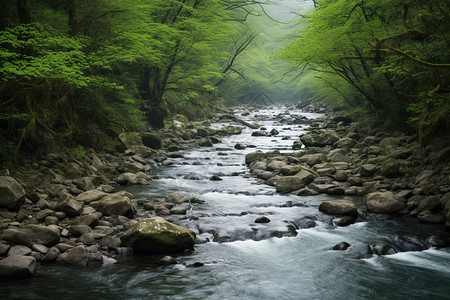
89 212
396 176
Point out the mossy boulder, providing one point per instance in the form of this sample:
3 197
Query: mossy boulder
157 236
129 139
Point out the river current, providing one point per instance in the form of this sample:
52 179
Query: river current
241 259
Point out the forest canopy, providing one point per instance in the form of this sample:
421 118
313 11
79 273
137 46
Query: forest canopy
80 72
388 58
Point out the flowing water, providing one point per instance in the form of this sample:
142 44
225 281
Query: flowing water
283 259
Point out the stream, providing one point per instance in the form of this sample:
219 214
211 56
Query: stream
283 259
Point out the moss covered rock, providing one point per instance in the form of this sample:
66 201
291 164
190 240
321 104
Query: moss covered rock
157 236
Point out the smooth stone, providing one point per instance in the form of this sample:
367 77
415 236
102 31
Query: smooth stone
262 219
341 246
17 266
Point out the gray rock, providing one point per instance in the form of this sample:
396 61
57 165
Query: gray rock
89 196
177 154
344 221
77 256
339 207
206 142
131 167
340 175
391 169
367 170
51 255
17 266
87 238
341 246
44 213
151 140
424 177
289 184
44 235
231 129
179 210
430 217
157 236
254 156
90 220
114 204
345 142
167 260
4 248
262 219
260 133
176 198
110 242
319 138
69 205
16 237
383 203
12 192
20 250
40 248
84 183
239 146
78 230
429 203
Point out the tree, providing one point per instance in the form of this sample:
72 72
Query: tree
391 53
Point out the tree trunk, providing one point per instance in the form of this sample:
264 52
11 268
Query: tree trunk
73 18
24 11
4 12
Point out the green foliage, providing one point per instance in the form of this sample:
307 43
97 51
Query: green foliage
389 58
29 51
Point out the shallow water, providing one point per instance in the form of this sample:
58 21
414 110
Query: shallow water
256 261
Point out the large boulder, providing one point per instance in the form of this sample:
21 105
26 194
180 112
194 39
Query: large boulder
89 196
77 256
157 236
319 138
152 141
254 156
289 184
12 193
339 207
383 203
17 266
129 139
43 235
69 205
16 237
114 204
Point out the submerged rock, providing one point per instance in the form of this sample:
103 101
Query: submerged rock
262 219
157 236
341 246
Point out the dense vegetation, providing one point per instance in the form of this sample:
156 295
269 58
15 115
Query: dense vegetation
78 72
386 58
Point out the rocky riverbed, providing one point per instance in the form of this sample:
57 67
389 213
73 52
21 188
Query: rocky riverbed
71 209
